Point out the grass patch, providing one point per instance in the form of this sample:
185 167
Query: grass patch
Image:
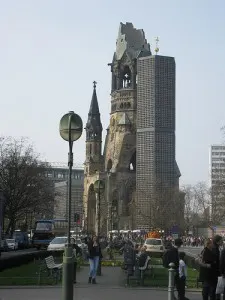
159 278
29 274
24 275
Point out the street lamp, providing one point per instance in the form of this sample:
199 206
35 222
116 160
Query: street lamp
70 128
99 187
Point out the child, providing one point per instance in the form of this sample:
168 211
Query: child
182 275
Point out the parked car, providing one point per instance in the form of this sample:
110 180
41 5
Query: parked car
154 245
80 244
12 244
57 244
3 246
21 238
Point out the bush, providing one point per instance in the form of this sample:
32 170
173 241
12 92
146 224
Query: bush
21 259
112 263
26 258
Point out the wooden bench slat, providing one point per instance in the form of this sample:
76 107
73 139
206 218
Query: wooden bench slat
51 263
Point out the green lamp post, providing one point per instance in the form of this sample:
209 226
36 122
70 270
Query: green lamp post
70 128
99 187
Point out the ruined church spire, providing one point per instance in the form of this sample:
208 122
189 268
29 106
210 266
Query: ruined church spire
94 125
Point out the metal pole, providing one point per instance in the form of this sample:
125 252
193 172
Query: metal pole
68 258
171 282
111 218
99 271
99 207
108 203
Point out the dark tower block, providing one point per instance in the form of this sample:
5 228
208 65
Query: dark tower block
120 147
93 162
157 170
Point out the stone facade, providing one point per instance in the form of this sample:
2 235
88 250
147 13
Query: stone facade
59 175
116 166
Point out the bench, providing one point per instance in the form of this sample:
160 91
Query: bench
139 272
144 269
54 270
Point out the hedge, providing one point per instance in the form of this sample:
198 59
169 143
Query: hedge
26 258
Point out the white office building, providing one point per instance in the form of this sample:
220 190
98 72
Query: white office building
217 181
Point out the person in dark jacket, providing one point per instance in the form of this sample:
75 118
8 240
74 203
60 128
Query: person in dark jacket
142 257
95 254
222 267
77 252
217 243
209 272
173 257
129 256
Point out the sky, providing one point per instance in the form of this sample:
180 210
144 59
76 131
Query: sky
52 50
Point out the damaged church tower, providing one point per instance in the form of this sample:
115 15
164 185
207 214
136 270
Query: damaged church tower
132 164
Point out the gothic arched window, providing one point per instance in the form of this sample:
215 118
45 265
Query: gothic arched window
132 165
90 149
109 165
126 77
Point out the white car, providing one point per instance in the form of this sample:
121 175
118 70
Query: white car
79 243
57 244
154 245
12 244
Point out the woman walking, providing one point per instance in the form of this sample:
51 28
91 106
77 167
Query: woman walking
95 255
208 272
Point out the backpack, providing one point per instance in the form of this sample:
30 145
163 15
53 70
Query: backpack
166 259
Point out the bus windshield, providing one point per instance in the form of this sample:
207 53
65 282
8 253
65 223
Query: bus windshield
43 226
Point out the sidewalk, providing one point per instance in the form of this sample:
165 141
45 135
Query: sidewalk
110 287
91 293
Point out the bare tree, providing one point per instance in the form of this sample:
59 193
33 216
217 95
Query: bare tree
218 201
23 180
197 205
165 209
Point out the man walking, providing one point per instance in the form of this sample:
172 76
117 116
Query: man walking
172 256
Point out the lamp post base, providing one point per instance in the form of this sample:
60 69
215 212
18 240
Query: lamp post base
68 274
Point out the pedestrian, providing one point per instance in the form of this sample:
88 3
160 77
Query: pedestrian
94 255
208 271
172 256
217 243
129 259
182 275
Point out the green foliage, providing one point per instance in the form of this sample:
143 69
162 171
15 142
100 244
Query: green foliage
112 263
159 278
19 260
23 275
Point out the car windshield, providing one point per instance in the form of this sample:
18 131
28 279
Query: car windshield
17 234
45 226
59 240
153 242
10 241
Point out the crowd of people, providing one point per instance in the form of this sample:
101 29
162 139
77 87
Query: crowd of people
211 261
193 241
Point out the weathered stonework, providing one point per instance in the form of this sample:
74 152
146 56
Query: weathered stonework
117 165
122 207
